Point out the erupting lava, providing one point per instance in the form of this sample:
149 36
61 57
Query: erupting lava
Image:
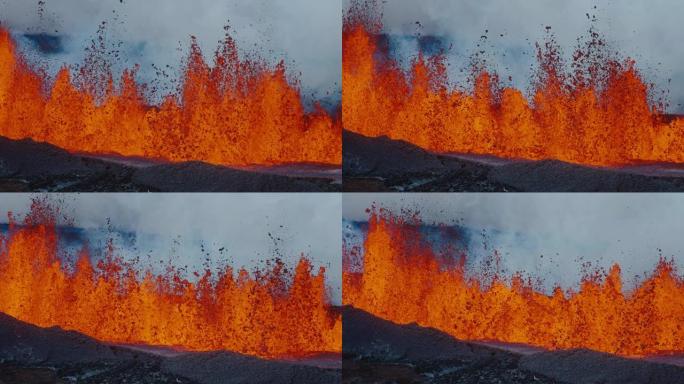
403 280
234 112
598 112
270 313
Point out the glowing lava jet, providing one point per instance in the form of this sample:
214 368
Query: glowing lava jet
597 113
269 313
400 278
230 112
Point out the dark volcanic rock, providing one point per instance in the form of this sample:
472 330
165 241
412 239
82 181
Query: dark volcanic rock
379 351
34 355
95 373
364 156
382 164
371 337
27 166
376 350
557 176
202 177
589 367
28 159
217 367
24 343
11 374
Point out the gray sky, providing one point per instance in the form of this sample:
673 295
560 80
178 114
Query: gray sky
647 30
303 223
631 229
304 31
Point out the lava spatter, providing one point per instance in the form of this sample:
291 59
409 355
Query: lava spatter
269 313
596 111
231 111
400 278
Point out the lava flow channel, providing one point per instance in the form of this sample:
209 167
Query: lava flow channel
269 313
599 112
232 112
400 278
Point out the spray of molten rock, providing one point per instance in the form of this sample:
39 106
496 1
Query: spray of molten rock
232 112
403 280
597 112
268 313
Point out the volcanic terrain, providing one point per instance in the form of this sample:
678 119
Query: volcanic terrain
34 355
376 350
26 166
385 165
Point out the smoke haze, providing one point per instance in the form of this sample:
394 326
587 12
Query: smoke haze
251 228
648 31
305 33
566 229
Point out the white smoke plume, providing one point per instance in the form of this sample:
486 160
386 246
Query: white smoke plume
648 31
305 33
245 229
566 229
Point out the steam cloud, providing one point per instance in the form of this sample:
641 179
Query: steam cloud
179 224
567 229
306 33
648 31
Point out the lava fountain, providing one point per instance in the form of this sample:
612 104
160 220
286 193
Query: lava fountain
596 111
230 112
401 278
269 313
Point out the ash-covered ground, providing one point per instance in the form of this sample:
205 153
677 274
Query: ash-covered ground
385 165
28 166
33 355
379 351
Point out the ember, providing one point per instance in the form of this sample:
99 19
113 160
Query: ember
402 279
230 112
269 313
596 112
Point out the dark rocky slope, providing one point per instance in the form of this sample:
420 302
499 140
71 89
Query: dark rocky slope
27 166
382 164
376 350
34 355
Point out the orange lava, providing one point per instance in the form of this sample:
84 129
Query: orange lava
403 280
597 113
230 112
270 313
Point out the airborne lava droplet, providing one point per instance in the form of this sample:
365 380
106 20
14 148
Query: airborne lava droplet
269 313
229 112
400 278
600 112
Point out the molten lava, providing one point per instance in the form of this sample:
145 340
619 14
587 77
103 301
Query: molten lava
599 112
269 313
233 112
402 279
